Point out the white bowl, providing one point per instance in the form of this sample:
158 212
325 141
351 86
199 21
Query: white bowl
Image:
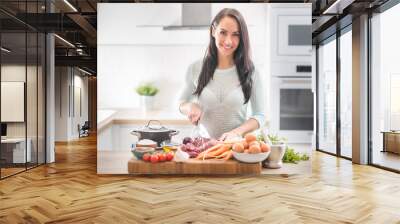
250 158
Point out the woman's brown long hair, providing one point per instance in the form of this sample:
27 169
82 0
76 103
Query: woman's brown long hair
243 62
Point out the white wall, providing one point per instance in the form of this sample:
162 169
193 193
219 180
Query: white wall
61 103
129 55
68 81
80 83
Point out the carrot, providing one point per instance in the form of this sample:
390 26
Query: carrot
200 155
223 154
228 156
213 148
208 156
221 150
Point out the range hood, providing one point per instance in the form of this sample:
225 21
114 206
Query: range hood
194 16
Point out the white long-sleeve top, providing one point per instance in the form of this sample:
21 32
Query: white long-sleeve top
222 100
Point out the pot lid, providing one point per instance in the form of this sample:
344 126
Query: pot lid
154 126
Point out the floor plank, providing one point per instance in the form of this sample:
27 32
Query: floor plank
70 191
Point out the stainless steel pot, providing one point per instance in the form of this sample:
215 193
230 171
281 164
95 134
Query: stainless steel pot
157 133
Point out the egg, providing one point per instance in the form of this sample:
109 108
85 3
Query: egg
245 144
250 137
254 149
238 147
264 147
256 143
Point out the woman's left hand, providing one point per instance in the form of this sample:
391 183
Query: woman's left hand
229 135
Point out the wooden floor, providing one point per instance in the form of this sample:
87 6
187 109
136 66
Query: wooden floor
70 191
10 171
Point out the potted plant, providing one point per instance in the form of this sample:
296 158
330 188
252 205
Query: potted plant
147 92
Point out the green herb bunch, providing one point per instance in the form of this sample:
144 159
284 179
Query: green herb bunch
294 157
147 90
290 155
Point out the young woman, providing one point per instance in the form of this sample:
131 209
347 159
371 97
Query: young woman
219 87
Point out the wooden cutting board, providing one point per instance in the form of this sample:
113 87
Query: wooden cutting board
194 166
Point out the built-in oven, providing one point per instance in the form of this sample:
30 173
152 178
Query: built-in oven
292 108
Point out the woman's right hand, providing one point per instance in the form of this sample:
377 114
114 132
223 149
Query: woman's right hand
195 113
192 111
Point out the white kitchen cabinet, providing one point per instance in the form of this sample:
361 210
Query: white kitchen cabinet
142 24
289 32
157 14
118 23
123 138
105 139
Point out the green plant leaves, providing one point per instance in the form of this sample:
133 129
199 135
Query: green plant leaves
147 90
294 157
290 155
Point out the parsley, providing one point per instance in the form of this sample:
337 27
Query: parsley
293 157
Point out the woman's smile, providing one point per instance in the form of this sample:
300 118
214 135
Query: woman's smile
228 48
227 36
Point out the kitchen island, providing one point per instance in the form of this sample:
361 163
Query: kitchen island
114 139
117 163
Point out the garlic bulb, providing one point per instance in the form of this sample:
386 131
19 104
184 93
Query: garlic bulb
180 155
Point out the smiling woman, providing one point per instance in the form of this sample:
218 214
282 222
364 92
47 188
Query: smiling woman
212 95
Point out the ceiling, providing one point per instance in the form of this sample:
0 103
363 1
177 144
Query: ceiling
76 22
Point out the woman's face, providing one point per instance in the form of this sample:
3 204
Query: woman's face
227 36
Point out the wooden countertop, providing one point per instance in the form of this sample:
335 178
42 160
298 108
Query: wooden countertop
116 162
134 116
194 166
111 116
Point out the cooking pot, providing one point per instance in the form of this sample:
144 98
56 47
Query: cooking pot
157 133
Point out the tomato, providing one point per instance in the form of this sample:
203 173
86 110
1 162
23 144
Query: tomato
170 156
162 157
154 158
146 157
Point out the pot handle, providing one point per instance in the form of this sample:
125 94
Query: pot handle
135 133
159 123
173 132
